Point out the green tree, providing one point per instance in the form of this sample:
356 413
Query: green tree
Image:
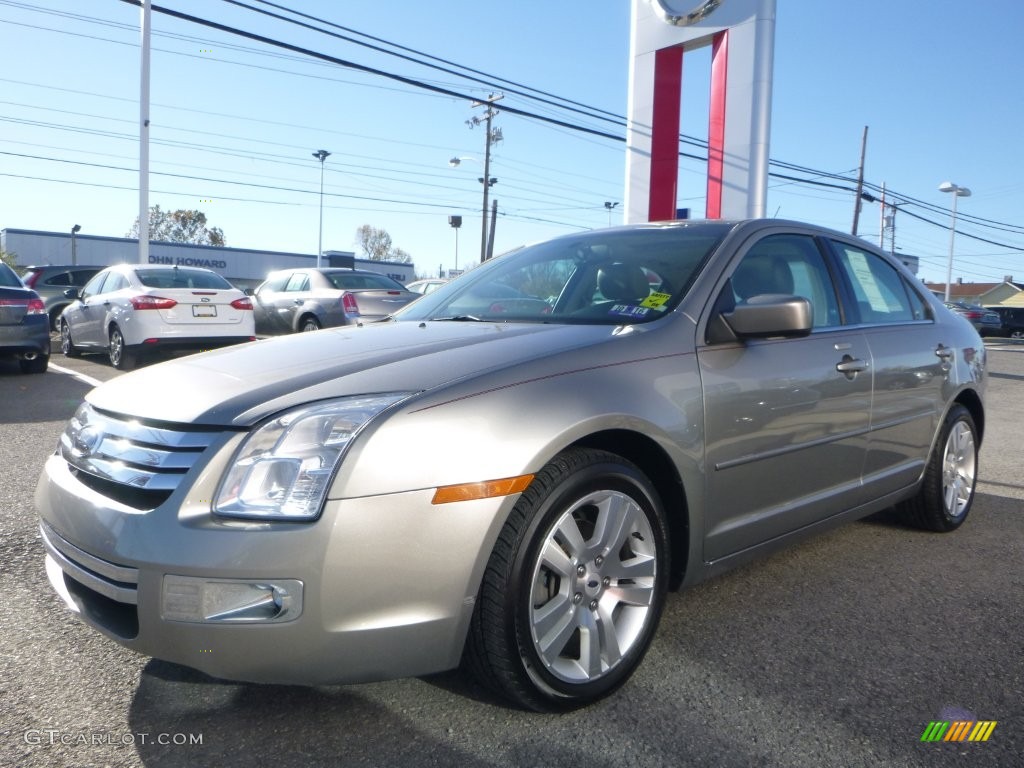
10 258
376 245
180 226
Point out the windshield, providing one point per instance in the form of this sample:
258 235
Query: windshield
181 278
349 281
607 277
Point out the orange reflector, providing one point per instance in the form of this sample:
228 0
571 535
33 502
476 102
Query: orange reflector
485 490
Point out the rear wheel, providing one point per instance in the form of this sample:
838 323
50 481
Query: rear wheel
575 586
309 324
120 357
67 346
947 490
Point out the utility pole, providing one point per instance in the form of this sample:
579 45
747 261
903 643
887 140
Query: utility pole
493 136
860 180
145 29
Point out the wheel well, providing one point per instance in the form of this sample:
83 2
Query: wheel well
654 463
969 399
306 316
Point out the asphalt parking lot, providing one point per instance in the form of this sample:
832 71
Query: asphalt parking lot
836 652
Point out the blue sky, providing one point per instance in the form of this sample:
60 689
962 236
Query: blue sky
235 122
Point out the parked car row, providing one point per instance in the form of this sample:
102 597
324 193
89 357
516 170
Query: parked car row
985 321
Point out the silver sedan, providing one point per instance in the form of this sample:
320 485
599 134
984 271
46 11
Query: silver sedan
513 474
298 300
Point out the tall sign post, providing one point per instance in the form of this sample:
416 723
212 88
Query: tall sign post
741 34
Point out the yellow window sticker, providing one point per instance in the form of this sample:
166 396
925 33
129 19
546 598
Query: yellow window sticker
656 300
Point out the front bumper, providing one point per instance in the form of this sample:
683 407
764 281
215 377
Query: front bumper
387 583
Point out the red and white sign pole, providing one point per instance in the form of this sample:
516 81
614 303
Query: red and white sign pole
741 34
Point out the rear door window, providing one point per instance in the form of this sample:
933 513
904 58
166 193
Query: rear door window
881 294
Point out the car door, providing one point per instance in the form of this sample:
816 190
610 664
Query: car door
287 303
265 299
786 419
911 362
85 316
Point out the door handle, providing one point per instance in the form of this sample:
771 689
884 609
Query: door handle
850 367
943 352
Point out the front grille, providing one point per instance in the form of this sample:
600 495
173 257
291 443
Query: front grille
137 462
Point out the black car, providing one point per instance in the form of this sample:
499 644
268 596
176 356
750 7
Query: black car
1012 321
51 281
24 324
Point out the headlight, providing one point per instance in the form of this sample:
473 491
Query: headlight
283 469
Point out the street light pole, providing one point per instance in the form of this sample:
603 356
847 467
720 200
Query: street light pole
74 245
609 206
321 155
958 191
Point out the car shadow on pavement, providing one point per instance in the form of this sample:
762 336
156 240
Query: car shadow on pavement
242 724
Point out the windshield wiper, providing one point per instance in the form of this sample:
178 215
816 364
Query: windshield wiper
460 318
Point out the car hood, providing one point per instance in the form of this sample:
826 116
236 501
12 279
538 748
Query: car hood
240 385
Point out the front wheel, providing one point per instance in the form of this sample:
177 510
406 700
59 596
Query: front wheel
120 357
575 586
67 346
947 490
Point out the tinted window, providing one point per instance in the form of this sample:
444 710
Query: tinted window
880 291
61 278
8 278
274 284
790 265
115 282
348 282
95 285
181 278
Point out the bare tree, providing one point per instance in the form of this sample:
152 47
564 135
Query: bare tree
376 245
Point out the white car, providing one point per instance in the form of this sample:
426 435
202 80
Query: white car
128 310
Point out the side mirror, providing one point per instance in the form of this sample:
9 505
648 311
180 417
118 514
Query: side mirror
73 293
770 315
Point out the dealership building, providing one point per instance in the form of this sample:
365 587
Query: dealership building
243 267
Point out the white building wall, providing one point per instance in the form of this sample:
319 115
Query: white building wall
244 267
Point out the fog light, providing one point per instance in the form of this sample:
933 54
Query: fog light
186 598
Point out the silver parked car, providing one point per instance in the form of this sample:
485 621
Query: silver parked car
295 300
514 473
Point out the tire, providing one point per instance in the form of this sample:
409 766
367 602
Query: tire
309 324
120 357
55 317
36 365
67 346
947 490
559 577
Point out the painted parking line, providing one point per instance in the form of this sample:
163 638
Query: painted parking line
80 376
